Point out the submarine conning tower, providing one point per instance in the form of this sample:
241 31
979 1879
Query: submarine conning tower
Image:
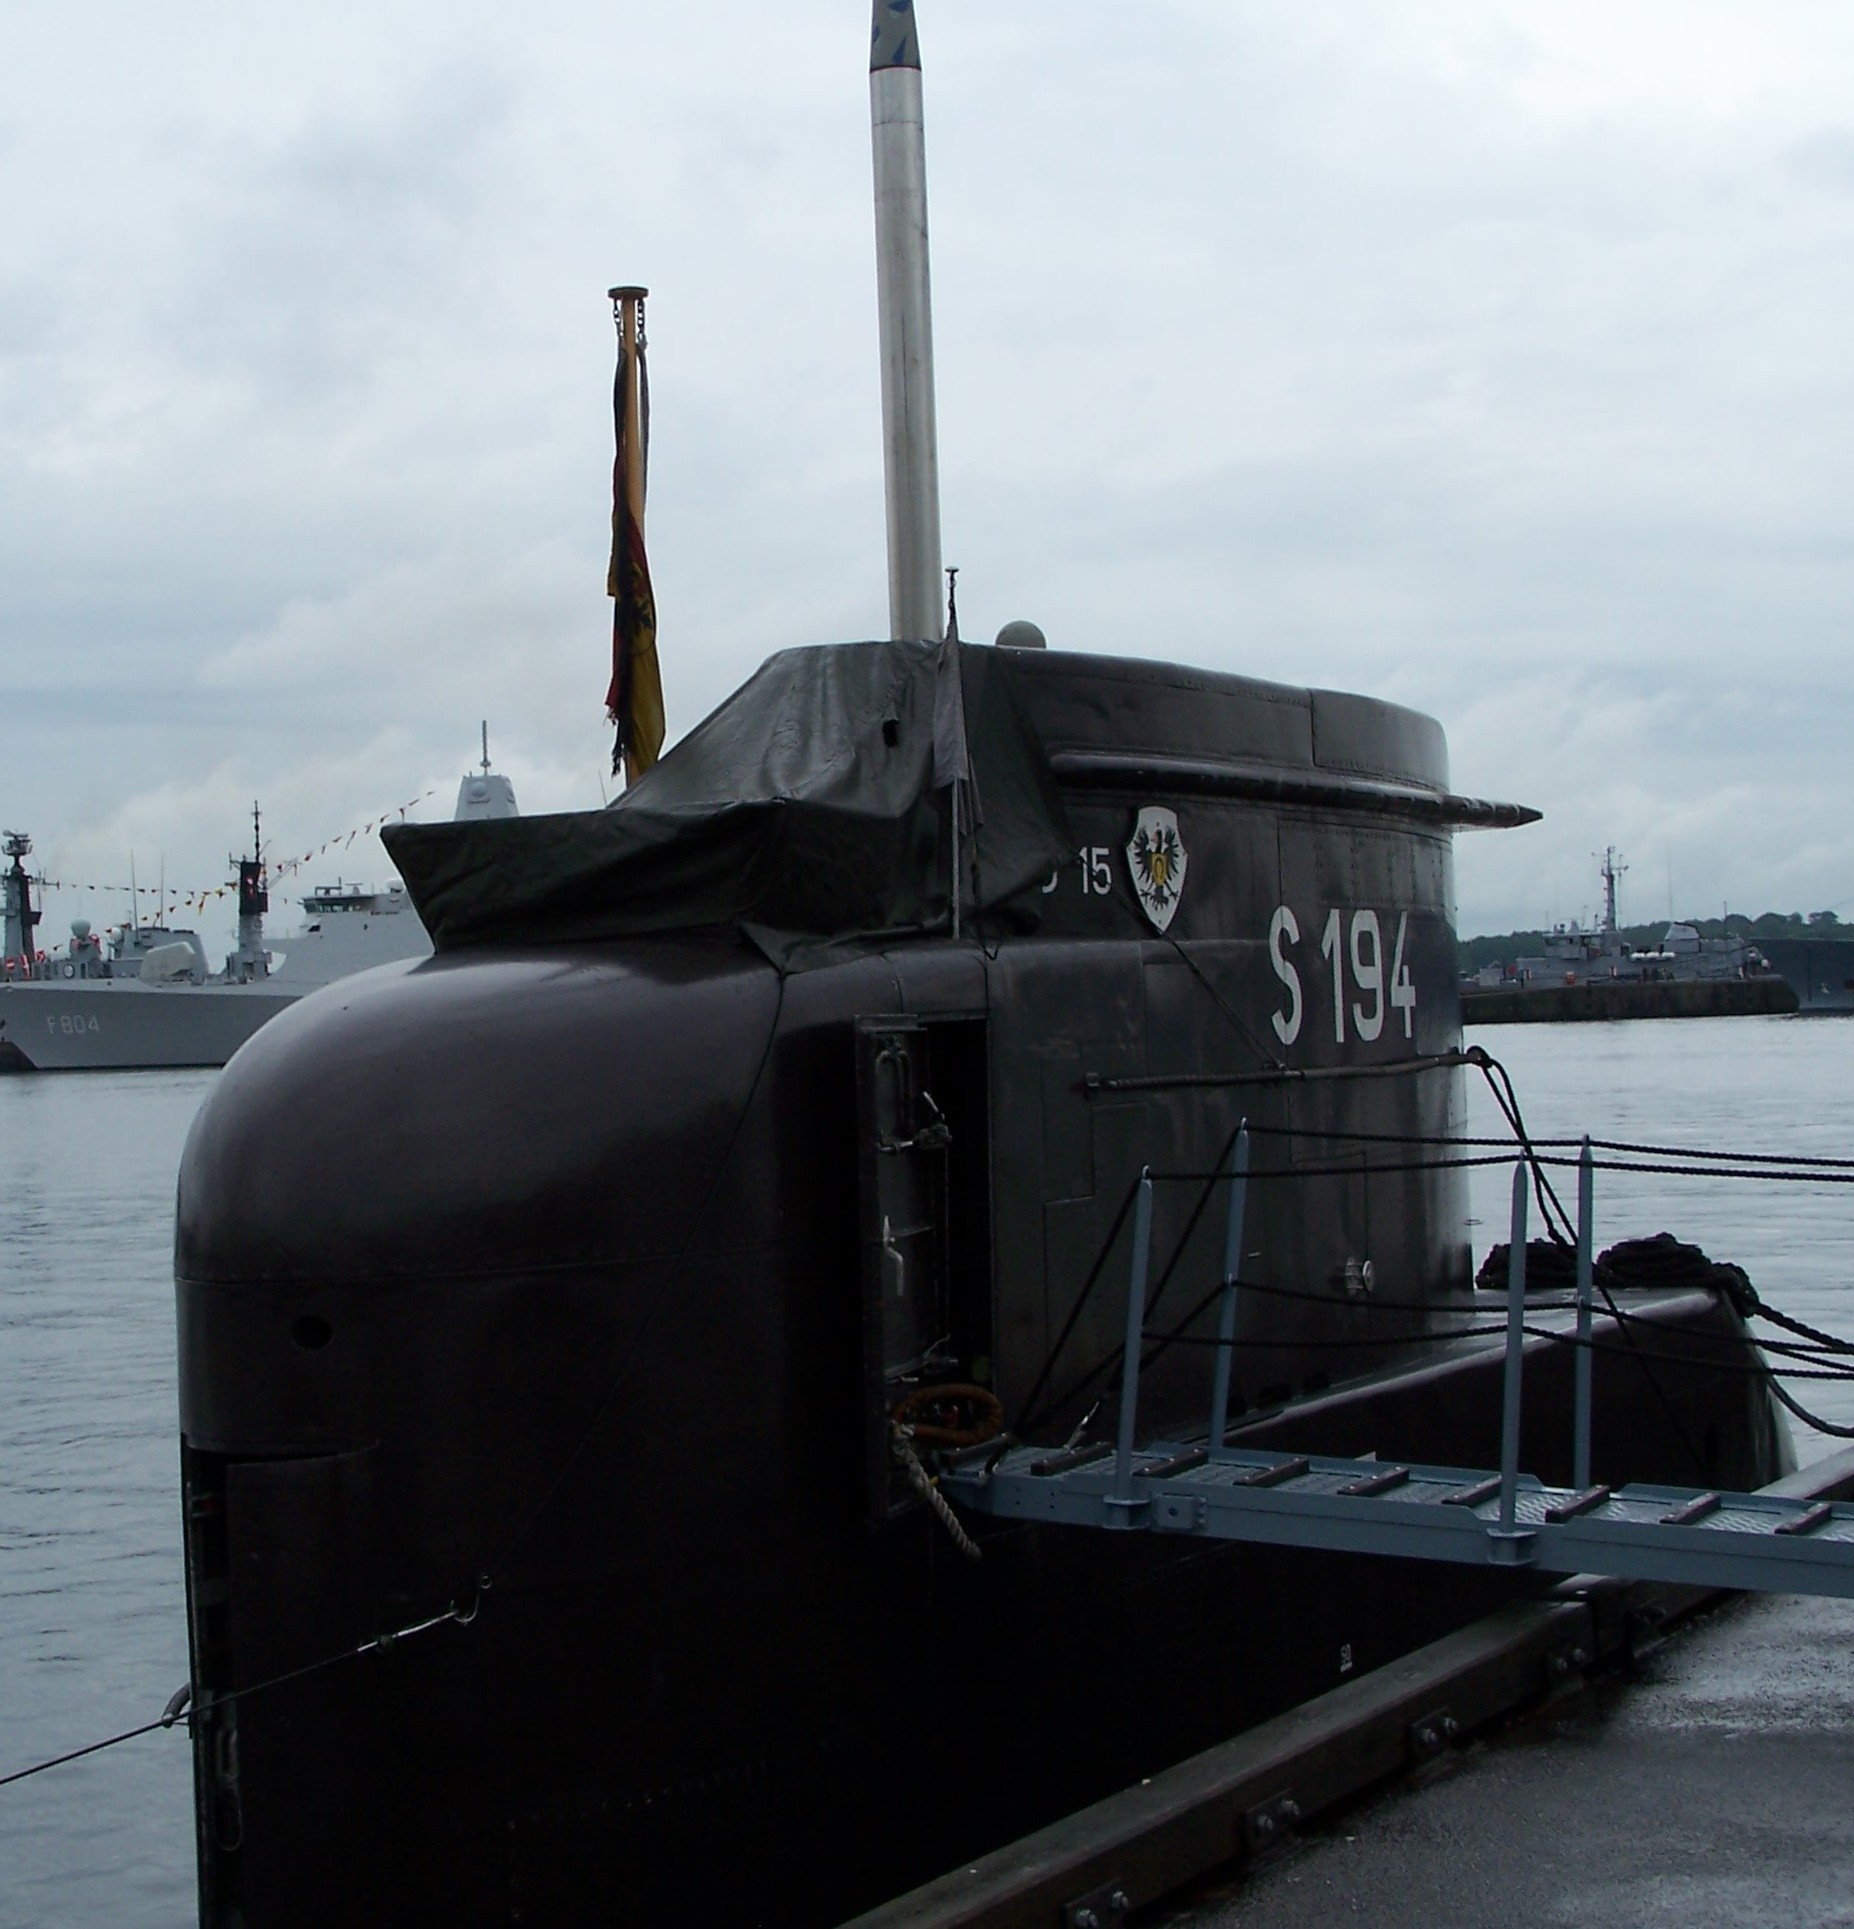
572 1272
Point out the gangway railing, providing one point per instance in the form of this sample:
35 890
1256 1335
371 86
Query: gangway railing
1696 1536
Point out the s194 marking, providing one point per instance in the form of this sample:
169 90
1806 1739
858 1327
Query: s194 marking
1354 959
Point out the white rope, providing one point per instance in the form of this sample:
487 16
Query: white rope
902 1441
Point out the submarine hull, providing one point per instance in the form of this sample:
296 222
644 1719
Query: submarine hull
563 1291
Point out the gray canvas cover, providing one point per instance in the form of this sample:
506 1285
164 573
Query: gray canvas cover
813 808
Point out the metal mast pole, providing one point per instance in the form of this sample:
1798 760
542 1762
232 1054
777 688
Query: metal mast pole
911 461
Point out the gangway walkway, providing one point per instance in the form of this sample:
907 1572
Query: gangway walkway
1753 1542
1680 1534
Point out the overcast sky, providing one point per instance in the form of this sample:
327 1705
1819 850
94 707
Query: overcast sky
1491 357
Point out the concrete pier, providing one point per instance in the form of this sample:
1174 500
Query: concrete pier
1714 1788
1552 1762
1556 1004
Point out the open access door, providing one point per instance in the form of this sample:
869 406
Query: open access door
925 1198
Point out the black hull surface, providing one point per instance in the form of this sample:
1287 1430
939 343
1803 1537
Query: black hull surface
1819 971
571 1284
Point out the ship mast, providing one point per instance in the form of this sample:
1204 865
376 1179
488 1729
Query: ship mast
251 960
21 914
1613 869
910 449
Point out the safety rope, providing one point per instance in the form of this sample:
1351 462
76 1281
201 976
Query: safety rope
178 1710
901 1444
1540 1156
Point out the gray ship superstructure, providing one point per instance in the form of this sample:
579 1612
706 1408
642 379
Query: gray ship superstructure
1575 956
148 999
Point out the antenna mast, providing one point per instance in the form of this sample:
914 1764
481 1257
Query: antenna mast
910 447
20 913
1613 868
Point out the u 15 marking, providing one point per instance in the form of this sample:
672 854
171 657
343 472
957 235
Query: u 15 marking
1097 872
1354 958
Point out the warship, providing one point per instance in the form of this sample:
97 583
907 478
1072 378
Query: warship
1573 955
546 1306
147 997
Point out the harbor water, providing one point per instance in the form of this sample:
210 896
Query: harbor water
92 1635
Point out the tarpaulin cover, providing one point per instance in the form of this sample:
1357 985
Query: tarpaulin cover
813 808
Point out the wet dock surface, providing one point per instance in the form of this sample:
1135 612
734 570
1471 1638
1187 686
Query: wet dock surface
1716 1787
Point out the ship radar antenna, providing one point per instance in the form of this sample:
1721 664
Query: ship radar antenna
256 859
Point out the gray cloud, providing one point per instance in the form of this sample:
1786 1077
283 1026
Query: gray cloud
1487 357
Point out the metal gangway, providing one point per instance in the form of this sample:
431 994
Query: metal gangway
1695 1536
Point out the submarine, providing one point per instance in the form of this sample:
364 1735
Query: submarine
546 1307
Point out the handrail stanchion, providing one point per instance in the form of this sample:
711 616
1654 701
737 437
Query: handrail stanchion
1232 1271
1586 1240
1136 1329
1515 1356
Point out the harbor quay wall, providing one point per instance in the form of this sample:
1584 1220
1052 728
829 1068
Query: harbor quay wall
1557 1004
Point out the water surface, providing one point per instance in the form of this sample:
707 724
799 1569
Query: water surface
1765 1085
92 1624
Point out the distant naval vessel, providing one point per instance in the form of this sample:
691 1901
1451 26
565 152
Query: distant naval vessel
148 999
1575 956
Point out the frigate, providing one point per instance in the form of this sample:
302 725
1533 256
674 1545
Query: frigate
145 996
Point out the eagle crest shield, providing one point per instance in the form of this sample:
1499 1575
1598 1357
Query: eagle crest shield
1156 859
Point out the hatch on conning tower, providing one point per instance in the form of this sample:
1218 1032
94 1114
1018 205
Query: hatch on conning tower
925 1166
484 793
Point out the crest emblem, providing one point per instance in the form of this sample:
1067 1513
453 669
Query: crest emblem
1156 859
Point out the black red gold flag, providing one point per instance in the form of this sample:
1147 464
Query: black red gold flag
634 702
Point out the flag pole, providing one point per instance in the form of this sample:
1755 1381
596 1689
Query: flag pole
630 304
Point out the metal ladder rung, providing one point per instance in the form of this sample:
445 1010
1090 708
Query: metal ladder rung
1374 1484
1069 1459
1279 1474
1586 1502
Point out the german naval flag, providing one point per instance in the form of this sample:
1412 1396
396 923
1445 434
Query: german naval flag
634 702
